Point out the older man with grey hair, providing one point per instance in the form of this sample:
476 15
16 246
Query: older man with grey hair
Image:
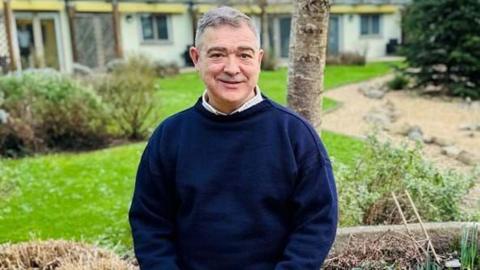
236 181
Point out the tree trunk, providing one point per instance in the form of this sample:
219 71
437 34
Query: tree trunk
264 25
307 52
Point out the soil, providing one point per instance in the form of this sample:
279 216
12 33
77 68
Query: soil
436 116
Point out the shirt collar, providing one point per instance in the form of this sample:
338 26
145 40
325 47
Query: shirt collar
248 104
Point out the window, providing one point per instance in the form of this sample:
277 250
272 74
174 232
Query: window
370 25
154 27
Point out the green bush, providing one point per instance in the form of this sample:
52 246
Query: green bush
398 82
347 58
365 189
48 111
442 40
129 90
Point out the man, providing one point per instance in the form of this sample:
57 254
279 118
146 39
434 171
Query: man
237 181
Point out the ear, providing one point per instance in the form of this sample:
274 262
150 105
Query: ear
194 54
260 56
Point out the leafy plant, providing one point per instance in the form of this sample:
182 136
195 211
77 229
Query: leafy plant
130 90
398 82
50 111
347 58
429 264
469 247
365 189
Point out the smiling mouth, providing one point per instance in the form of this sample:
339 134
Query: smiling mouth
230 82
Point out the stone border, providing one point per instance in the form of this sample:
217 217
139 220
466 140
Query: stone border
442 233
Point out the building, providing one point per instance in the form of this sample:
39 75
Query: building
62 34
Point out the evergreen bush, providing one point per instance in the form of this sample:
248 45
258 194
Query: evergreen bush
442 40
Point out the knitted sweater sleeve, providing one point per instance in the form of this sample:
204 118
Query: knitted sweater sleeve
152 211
315 216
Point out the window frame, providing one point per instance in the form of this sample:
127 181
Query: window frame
370 27
156 39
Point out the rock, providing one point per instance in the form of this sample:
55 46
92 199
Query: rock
377 118
475 105
432 88
3 116
402 129
467 158
372 90
455 263
451 151
415 133
374 94
471 134
469 127
427 139
415 136
441 141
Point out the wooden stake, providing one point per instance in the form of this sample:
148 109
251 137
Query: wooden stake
116 29
423 227
71 25
409 233
7 11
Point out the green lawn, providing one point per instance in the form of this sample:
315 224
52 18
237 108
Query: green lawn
87 195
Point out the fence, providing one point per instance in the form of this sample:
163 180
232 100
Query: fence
94 39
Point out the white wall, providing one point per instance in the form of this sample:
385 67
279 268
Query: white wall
180 33
372 46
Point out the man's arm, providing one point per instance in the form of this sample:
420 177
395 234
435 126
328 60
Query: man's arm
152 212
315 216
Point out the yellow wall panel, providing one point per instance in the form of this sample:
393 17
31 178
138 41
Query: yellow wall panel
36 5
159 8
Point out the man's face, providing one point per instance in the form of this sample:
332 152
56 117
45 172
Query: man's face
228 60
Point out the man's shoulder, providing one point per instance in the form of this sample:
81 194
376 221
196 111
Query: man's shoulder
173 122
293 119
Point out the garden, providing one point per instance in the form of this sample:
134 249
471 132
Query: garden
70 145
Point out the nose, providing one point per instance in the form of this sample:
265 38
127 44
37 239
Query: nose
231 66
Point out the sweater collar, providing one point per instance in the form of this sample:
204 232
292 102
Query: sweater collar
256 108
249 103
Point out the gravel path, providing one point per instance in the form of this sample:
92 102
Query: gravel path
435 116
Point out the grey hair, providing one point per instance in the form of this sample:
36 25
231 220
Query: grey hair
223 16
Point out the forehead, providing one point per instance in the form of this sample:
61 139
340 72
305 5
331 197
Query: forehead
229 37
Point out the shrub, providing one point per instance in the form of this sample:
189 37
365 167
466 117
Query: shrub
165 69
398 82
129 90
347 58
269 61
50 111
441 40
365 189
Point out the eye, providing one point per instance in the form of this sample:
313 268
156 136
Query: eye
215 55
246 56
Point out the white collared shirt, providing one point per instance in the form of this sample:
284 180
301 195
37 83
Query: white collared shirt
250 103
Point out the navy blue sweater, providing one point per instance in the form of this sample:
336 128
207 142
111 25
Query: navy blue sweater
252 190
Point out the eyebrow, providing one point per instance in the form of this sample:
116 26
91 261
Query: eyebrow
223 49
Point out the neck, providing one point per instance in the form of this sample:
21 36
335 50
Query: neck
228 108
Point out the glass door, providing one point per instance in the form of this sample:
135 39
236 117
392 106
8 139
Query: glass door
37 38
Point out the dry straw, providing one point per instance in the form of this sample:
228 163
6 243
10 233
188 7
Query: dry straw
59 255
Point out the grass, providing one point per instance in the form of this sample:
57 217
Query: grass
86 196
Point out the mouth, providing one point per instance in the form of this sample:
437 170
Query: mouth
230 82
